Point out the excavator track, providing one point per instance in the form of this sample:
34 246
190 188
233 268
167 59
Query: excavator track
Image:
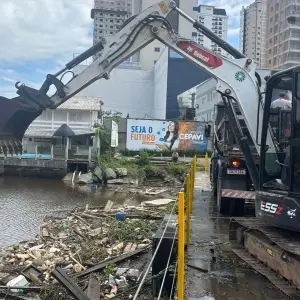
271 251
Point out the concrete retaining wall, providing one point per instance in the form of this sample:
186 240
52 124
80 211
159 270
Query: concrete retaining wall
42 168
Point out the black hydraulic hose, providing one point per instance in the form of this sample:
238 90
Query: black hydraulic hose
83 56
219 41
146 22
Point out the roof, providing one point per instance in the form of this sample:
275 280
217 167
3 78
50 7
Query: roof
48 133
64 130
82 103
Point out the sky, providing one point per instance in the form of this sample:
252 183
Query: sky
40 36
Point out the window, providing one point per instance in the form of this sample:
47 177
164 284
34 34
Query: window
60 115
156 49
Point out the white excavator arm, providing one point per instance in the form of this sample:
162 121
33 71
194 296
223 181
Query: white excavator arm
235 78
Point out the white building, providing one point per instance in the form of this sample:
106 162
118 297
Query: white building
80 114
214 19
131 90
253 31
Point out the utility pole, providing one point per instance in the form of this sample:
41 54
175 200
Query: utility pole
193 98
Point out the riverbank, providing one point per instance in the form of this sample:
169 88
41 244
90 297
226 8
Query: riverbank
80 242
135 172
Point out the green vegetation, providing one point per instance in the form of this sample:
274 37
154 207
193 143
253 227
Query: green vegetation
154 171
109 269
108 161
177 170
143 159
141 166
129 230
154 153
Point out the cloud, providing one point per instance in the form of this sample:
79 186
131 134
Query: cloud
38 37
33 30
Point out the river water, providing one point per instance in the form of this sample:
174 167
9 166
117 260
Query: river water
25 201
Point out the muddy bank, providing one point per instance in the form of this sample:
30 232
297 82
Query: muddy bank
111 245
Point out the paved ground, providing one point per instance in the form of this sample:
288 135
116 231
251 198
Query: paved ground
228 277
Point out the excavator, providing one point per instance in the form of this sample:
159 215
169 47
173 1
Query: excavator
270 241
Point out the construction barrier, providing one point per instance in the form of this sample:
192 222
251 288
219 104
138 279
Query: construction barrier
185 206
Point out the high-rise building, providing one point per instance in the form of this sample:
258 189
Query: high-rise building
253 26
151 53
109 16
214 19
283 33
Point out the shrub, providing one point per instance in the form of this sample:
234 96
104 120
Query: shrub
154 171
143 159
177 169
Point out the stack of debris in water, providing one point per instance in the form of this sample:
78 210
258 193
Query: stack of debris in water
77 255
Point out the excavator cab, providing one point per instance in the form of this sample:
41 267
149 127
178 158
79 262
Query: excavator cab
278 196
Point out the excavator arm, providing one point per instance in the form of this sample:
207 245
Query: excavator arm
236 79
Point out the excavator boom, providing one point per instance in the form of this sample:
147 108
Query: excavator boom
236 78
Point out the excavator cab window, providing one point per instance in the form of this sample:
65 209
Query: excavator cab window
295 136
277 122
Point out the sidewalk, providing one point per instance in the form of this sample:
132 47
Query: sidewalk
226 277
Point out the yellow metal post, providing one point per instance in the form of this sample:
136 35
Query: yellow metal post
195 169
206 163
188 208
180 280
191 185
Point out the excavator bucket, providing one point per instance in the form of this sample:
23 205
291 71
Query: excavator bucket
15 117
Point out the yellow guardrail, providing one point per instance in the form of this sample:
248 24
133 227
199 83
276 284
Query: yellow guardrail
185 206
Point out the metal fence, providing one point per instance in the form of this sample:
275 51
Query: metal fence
184 205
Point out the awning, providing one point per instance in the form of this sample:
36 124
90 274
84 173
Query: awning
49 133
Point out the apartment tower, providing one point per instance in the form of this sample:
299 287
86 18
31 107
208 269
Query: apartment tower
214 19
109 15
253 28
283 33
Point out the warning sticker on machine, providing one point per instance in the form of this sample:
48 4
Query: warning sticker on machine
201 55
163 7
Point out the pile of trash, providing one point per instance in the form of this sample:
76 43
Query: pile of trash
86 242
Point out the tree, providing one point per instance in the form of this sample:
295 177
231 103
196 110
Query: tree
103 133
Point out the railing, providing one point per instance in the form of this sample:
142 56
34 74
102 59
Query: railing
184 204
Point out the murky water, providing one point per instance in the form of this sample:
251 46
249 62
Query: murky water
25 201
